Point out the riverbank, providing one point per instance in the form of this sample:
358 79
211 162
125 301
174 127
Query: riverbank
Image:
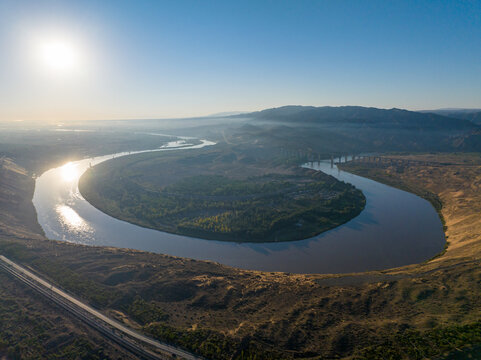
32 327
375 239
418 311
216 194
451 182
18 216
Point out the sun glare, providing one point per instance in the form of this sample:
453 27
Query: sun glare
59 55
69 172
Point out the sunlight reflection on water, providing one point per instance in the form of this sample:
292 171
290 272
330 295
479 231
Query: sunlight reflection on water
396 228
69 172
72 221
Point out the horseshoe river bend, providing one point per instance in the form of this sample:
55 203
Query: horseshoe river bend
396 228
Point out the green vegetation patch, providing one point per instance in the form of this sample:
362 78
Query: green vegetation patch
216 196
436 343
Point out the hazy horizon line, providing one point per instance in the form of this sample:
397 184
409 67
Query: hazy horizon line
231 113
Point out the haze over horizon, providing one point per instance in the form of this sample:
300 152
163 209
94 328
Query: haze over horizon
81 60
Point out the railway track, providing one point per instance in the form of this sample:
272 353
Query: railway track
138 344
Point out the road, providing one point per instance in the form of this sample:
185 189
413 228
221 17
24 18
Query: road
122 335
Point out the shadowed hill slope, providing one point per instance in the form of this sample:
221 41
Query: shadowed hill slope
390 118
351 129
473 115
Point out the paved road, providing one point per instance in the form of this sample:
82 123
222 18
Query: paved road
112 329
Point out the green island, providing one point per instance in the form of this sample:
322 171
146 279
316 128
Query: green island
220 194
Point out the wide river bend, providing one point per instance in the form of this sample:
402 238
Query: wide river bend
396 228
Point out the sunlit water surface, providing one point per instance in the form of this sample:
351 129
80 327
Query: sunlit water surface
395 228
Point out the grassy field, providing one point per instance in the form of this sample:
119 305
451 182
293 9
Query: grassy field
420 311
219 194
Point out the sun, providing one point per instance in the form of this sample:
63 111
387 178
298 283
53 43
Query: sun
59 55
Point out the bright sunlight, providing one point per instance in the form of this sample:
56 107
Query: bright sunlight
59 55
69 172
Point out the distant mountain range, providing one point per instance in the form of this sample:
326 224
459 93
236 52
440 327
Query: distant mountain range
362 116
473 115
226 113
354 128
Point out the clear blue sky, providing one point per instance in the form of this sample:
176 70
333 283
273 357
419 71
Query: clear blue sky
153 59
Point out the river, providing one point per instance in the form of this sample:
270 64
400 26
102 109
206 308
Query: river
396 228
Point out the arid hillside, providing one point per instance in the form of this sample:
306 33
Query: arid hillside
420 311
31 327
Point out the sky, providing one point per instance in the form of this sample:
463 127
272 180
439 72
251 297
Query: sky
114 59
